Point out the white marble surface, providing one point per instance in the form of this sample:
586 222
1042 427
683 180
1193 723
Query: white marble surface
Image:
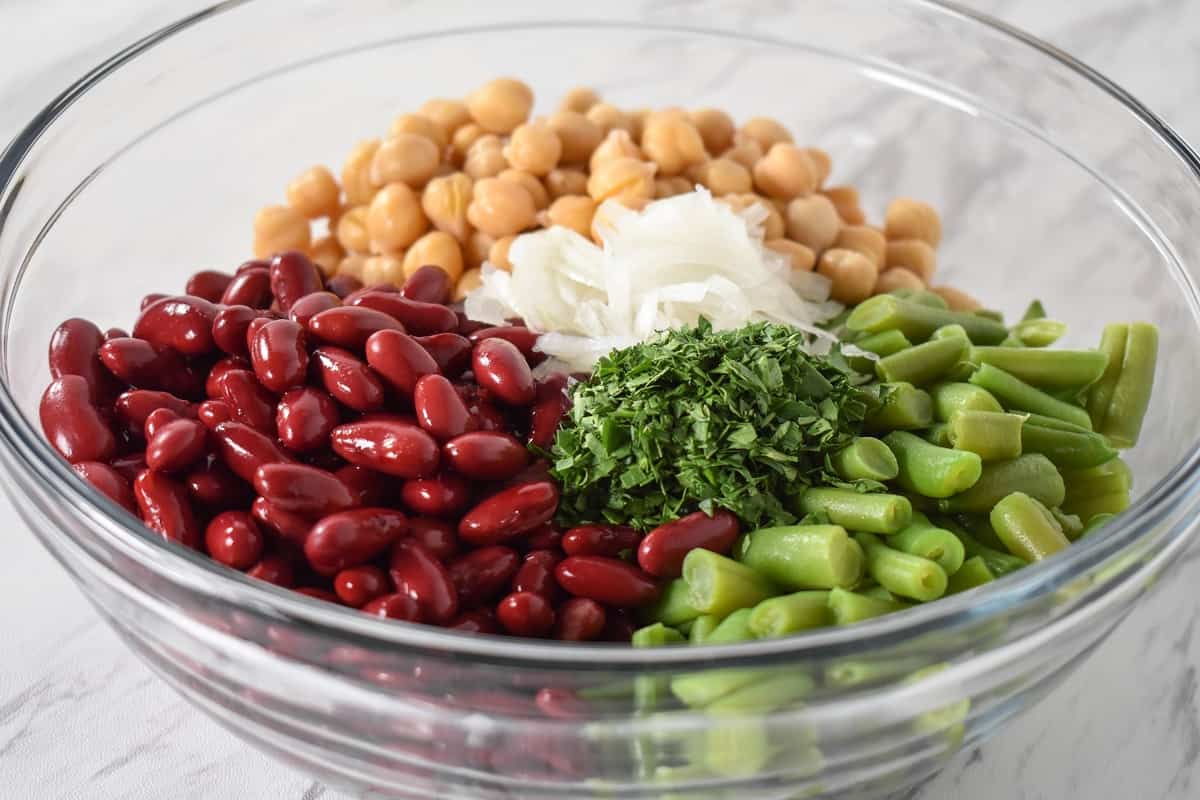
81 718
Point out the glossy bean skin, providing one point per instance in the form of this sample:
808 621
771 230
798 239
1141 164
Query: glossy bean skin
662 550
293 275
307 307
302 489
440 496
141 365
394 606
606 580
75 350
115 333
420 318
525 614
229 328
485 455
367 487
351 326
157 419
244 449
393 448
213 412
150 299
500 368
129 466
165 508
347 379
108 482
477 620
176 445
580 620
523 338
73 424
250 402
537 574
214 486
418 574
289 527
134 407
208 284
304 418
357 586
450 351
350 538
279 355
274 569
233 539
439 408
343 285
212 384
547 537
551 403
429 284
510 513
249 287
482 575
600 540
254 263
435 535
184 324
399 360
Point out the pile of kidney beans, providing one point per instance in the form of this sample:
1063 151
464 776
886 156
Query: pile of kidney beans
365 446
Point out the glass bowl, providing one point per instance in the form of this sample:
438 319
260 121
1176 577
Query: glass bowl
1052 182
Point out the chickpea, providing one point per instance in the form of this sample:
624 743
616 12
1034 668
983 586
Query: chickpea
608 116
574 211
785 172
541 198
315 193
534 148
279 228
353 265
471 280
498 255
578 134
561 182
766 131
772 223
405 158
637 122
462 139
863 239
448 115
326 253
421 126
351 230
913 254
378 270
617 144
602 221
813 221
957 299
626 180
673 143
579 99
500 105
500 208
912 219
852 276
745 151
445 202
669 187
845 200
476 250
356 173
822 161
897 278
724 176
801 258
715 127
437 248
395 219
485 158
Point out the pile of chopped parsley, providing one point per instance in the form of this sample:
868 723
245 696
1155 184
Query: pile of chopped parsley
699 420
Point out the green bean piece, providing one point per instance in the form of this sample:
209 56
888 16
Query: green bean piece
1031 473
980 527
1088 507
918 322
951 332
1027 528
702 628
699 689
865 458
1011 341
1070 449
881 344
869 588
648 690
719 585
790 613
950 398
962 372
938 434
991 435
920 296
930 470
901 573
922 538
1033 311
674 606
1131 395
802 556
989 313
905 407
1016 395
1095 523
1107 478
857 511
1071 524
923 363
771 693
999 562
1053 423
848 607
656 635
1112 343
737 748
973 572
1038 332
1048 370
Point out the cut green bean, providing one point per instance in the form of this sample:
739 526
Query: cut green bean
865 458
873 589
1027 528
699 689
1033 311
656 635
803 556
719 585
921 296
1010 341
773 692
901 573
924 363
648 690
989 313
1089 507
973 572
1071 524
1069 449
1107 478
950 398
930 470
1095 523
674 606
881 344
1053 423
922 538
1112 343
858 511
1048 370
918 322
702 628
1038 332
905 407
978 526
738 747
938 434
848 607
991 435
951 332
999 562
1032 474
1131 394
1016 395
790 613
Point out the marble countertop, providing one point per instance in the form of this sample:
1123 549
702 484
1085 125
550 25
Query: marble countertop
81 717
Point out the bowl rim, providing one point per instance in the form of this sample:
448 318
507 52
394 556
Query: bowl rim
187 567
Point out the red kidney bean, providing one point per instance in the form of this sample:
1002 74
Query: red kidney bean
342 285
165 508
477 620
158 418
229 328
418 574
250 287
134 407
256 263
72 424
140 364
208 284
439 408
388 416
307 307
129 466
662 549
399 359
367 487
393 448
291 528
580 619
244 449
274 569
468 326
519 335
212 384
213 412
214 486
293 275
537 574
350 538
451 352
351 326
108 482
560 704
234 540
176 445
481 575
250 402
420 318
115 333
606 580
429 284
349 380
599 540
618 626
435 535
510 513
487 417
317 593
277 351
441 496
395 606
486 455
547 537
183 324
151 299
551 403
525 614
304 419
500 368
357 586
301 489
74 350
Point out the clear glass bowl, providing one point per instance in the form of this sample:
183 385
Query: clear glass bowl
1052 182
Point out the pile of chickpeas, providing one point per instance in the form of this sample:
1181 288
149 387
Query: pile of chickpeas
453 184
